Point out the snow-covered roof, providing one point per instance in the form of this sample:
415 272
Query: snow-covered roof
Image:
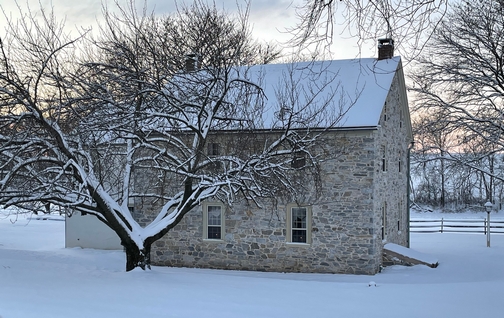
356 88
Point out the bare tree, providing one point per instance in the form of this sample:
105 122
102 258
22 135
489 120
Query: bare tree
77 130
460 80
404 21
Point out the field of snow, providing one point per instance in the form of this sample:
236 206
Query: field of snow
39 278
468 214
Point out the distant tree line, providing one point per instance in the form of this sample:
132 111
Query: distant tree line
457 182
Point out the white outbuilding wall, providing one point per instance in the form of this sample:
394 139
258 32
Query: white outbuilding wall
87 231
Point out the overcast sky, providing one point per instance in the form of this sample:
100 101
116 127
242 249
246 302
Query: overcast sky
268 18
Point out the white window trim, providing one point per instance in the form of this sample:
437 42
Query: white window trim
288 237
205 221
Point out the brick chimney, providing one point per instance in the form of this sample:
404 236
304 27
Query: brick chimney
191 63
385 49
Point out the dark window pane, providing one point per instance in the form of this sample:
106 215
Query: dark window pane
298 161
299 236
214 232
299 218
213 149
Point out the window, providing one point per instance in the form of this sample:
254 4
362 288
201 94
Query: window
298 160
384 158
213 150
385 112
400 161
384 222
298 224
213 221
400 216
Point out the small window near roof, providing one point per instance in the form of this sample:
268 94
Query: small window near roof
213 149
298 160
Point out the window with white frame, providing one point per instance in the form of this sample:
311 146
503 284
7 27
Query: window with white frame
298 224
213 221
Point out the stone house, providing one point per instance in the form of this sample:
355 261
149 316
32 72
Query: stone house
358 202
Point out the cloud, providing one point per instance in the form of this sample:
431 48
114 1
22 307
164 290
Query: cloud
268 18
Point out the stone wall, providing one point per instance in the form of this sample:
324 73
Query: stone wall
343 234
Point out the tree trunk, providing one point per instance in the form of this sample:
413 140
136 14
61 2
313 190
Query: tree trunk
136 257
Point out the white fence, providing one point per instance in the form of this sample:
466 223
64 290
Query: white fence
455 226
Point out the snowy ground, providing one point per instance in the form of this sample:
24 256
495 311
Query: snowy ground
469 214
39 278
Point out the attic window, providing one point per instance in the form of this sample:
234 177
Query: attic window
385 112
298 159
213 149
